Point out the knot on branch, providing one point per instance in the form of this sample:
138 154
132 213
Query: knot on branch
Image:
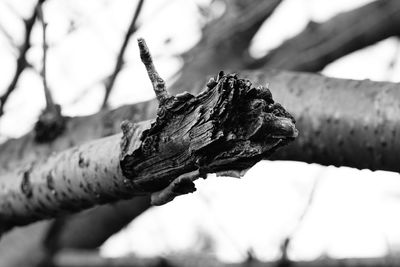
50 125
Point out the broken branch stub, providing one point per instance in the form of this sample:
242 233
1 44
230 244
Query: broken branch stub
229 126
226 128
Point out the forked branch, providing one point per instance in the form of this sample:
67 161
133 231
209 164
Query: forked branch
21 60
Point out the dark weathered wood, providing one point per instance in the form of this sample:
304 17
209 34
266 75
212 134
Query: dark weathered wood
228 127
323 107
243 17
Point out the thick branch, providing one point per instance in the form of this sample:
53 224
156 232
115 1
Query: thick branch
250 14
225 41
322 43
327 110
229 126
342 122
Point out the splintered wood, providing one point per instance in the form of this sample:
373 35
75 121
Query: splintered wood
227 128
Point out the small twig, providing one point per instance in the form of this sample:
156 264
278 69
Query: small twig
49 99
8 37
21 61
51 123
120 59
393 62
284 260
157 82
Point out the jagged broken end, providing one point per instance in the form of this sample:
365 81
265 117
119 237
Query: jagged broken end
227 128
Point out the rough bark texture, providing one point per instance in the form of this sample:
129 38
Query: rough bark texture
322 43
346 122
228 127
78 131
83 129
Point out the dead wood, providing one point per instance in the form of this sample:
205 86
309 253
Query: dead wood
229 126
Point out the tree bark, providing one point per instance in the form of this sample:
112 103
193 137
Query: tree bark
228 127
342 122
332 131
83 129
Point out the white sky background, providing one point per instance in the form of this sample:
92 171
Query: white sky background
355 213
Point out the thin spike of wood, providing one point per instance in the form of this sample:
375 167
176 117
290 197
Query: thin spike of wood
156 80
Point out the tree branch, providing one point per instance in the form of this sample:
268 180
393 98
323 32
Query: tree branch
225 41
21 61
51 123
199 134
342 122
157 82
284 259
322 43
120 59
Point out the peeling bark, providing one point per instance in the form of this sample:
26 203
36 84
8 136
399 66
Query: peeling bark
322 43
229 126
